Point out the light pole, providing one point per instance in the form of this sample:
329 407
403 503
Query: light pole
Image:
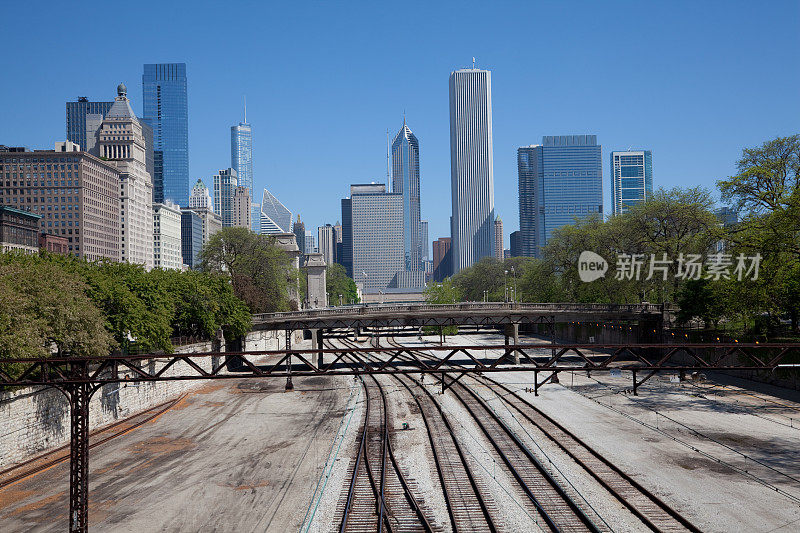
340 300
485 295
514 273
505 284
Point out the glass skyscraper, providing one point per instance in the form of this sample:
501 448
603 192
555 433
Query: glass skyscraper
225 183
405 181
559 181
242 153
275 217
76 118
631 179
165 109
471 167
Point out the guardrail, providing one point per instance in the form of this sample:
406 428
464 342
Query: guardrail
642 308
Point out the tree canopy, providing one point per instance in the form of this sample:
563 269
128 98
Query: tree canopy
337 283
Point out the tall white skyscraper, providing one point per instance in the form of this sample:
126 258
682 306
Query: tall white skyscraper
326 243
471 166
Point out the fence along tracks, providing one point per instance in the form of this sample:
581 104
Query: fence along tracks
647 507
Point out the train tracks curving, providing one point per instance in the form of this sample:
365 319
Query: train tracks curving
654 513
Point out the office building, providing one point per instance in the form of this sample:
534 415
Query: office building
200 196
275 217
225 183
560 181
255 217
631 179
337 242
405 181
425 244
372 227
498 238
346 256
310 243
516 243
299 230
441 259
121 141
241 208
471 167
77 113
167 229
242 153
76 194
165 109
326 243
19 230
191 237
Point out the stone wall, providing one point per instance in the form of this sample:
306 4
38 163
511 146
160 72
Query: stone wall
35 419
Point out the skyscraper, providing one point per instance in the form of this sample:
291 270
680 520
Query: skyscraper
242 152
516 243
76 119
471 167
200 197
255 217
425 243
631 179
559 181
275 217
241 208
376 226
121 141
165 109
191 237
299 230
441 258
327 243
310 245
405 181
225 183
167 235
498 238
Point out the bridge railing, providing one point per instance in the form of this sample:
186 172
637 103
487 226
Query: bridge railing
640 308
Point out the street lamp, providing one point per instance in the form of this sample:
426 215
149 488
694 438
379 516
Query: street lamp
340 300
505 284
485 295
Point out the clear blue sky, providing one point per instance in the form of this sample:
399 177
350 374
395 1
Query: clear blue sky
692 81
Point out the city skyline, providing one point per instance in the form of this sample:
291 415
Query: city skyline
691 87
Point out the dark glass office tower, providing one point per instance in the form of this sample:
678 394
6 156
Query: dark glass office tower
76 118
165 109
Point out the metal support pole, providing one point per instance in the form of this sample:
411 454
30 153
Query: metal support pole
442 382
554 379
318 337
535 383
289 385
79 396
635 385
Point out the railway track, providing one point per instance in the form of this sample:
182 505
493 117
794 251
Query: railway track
379 497
651 510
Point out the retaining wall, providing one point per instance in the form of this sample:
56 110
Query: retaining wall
35 419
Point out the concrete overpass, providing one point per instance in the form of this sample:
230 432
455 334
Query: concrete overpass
461 314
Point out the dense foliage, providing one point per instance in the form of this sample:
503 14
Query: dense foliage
672 226
52 304
337 283
261 273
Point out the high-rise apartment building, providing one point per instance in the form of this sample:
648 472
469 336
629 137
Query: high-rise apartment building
120 140
76 119
241 208
441 258
560 181
299 230
167 250
76 194
225 183
326 243
405 181
165 109
471 167
191 237
631 179
275 217
377 247
242 153
498 238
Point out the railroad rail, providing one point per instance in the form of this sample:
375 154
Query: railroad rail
647 507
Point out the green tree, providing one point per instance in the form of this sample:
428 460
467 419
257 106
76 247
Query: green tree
260 272
442 293
337 283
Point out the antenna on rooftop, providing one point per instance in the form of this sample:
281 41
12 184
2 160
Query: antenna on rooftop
388 160
473 62
245 109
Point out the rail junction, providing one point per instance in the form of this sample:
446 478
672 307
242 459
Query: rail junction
79 378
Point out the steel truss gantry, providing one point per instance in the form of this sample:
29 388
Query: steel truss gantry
80 377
